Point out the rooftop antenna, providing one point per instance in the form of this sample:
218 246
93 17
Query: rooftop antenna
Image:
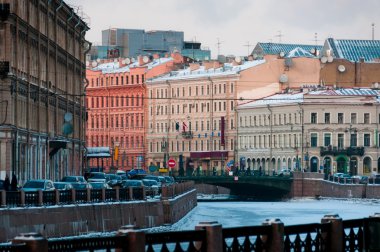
248 45
316 38
218 45
280 35
373 31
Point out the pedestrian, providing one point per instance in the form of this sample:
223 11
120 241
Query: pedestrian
14 182
6 183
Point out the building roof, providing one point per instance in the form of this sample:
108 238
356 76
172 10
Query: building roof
292 98
353 50
276 48
201 72
114 67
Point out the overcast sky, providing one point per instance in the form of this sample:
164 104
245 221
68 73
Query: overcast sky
237 22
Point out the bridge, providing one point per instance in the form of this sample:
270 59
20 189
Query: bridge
251 187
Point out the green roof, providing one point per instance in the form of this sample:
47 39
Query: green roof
354 50
276 48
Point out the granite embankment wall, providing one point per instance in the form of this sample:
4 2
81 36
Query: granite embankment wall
72 220
313 185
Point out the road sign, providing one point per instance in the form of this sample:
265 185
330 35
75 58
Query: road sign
171 163
163 170
230 163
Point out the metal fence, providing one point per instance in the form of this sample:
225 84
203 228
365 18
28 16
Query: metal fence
332 234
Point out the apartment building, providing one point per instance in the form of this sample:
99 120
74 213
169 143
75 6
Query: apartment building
318 130
42 48
116 100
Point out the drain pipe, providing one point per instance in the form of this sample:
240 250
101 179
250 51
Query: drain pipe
270 137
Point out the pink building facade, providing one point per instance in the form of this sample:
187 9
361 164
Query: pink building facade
116 99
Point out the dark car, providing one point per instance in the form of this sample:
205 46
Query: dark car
99 185
169 180
160 179
132 183
74 179
81 186
63 186
113 180
38 184
97 177
135 172
151 186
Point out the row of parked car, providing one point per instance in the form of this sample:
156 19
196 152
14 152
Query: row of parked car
356 179
100 180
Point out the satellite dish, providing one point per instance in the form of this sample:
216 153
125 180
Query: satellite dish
68 117
282 54
312 50
98 60
127 61
376 85
288 62
115 60
341 68
283 78
94 64
255 56
145 59
330 59
238 59
87 63
324 59
133 60
123 62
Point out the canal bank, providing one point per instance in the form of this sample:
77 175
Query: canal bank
80 219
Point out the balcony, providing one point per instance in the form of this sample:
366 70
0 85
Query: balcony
187 134
335 151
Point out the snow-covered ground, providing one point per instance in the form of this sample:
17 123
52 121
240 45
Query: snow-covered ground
299 211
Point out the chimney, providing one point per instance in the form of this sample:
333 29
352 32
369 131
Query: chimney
194 66
361 60
140 60
156 56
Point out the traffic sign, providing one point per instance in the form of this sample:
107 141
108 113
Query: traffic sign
171 163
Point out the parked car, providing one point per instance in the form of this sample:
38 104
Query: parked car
285 172
132 183
151 186
97 177
169 180
134 172
99 185
38 184
113 180
336 176
156 178
2 184
74 179
63 186
357 179
81 186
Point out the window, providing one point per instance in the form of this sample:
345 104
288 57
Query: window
340 141
340 118
353 118
327 118
366 118
367 140
313 118
327 139
354 139
314 139
232 87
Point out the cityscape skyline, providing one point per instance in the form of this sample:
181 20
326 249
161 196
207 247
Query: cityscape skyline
212 22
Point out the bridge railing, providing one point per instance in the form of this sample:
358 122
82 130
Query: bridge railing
21 198
332 234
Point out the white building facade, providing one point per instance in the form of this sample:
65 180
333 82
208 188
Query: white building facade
319 131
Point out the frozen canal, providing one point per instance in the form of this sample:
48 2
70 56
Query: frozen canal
232 214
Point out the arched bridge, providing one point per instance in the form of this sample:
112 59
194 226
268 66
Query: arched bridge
254 187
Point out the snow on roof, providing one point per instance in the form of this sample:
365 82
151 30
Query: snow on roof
114 67
275 99
290 98
227 69
299 52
